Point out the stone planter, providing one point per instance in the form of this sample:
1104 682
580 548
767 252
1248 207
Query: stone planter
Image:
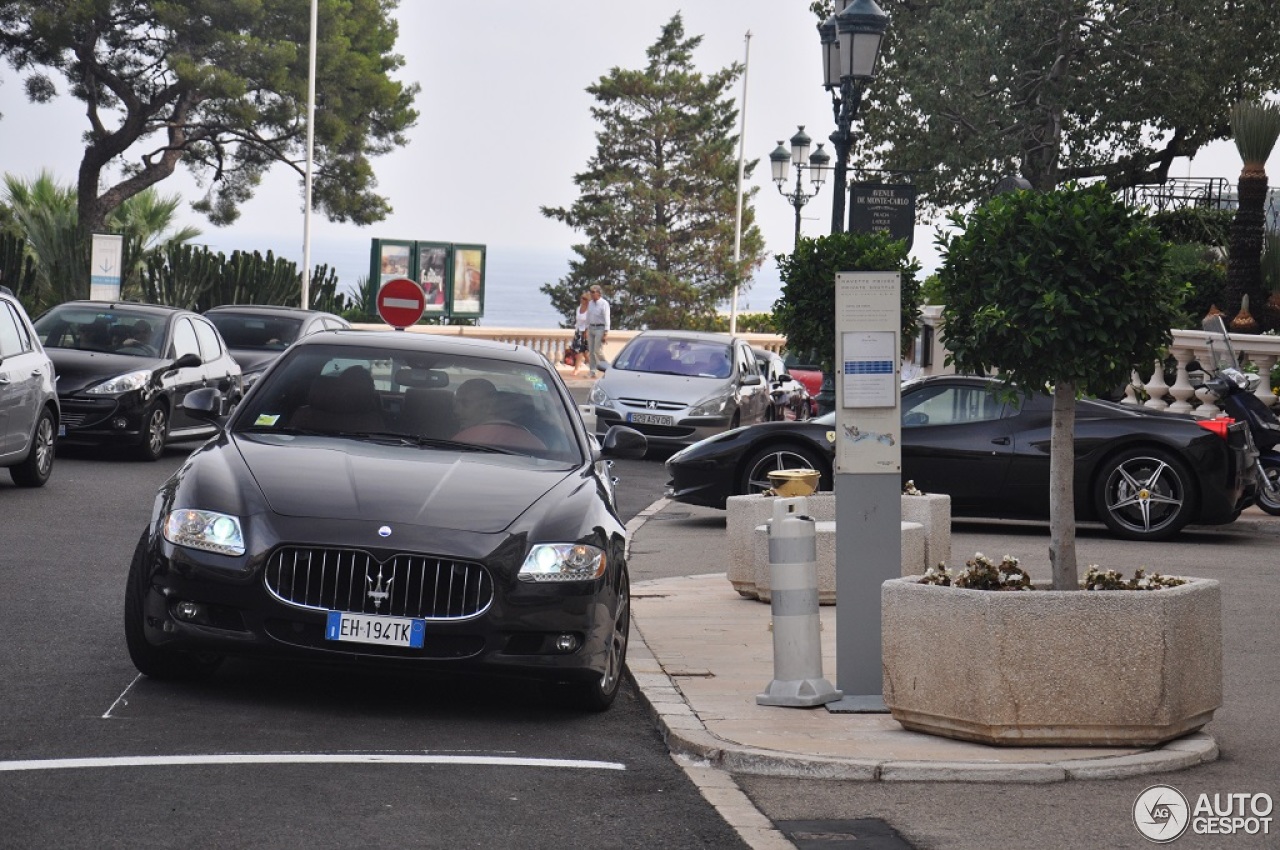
1119 668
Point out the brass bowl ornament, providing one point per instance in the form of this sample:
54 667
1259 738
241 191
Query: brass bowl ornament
794 482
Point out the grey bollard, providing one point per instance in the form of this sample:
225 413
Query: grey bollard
797 631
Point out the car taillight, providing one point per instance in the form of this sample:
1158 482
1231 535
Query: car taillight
1218 426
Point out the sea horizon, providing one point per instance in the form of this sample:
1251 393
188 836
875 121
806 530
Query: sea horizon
513 277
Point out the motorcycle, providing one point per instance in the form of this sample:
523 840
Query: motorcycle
1234 389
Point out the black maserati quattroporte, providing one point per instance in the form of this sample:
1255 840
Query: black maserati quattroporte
420 501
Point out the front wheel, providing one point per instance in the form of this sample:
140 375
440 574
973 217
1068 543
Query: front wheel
1269 490
155 432
154 661
755 472
598 694
1145 494
36 468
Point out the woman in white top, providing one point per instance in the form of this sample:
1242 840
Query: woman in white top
578 348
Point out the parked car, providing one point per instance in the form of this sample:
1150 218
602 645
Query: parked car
124 369
788 398
29 412
1144 473
257 333
677 387
430 502
807 372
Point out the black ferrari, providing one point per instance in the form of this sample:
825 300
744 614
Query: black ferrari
1144 473
394 498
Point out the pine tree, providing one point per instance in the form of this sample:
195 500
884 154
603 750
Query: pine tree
658 200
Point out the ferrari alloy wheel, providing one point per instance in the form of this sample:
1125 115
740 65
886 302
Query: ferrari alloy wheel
755 474
1145 494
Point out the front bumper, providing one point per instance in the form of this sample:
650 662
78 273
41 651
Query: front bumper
516 635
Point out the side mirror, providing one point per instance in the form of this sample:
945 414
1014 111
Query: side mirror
204 404
186 361
623 442
752 380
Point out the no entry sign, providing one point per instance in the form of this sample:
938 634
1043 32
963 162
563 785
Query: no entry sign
401 302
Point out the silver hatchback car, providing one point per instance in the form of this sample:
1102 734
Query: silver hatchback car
678 387
29 410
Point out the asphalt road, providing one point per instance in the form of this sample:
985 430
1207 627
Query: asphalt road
184 765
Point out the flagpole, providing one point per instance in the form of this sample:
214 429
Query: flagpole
737 222
311 140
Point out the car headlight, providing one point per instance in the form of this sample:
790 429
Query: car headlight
207 530
122 383
599 396
562 562
715 406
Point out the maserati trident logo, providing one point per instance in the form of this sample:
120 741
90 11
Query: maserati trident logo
379 592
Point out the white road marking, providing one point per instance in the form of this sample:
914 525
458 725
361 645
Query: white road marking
120 700
303 758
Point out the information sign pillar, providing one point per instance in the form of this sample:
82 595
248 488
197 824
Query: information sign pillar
868 476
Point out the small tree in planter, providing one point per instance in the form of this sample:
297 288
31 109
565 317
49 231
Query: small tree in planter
1067 288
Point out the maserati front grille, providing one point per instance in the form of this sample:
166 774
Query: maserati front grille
400 586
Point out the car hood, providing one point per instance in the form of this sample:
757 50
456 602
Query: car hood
251 360
352 480
77 370
623 383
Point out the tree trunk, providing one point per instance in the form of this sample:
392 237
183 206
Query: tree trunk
1062 509
1244 266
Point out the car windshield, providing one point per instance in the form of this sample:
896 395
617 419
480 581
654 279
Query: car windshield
117 329
256 333
457 402
676 356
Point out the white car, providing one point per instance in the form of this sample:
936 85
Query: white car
29 412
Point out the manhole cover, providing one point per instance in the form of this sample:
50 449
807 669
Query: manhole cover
857 834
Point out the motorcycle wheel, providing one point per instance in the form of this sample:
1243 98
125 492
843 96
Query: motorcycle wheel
1265 500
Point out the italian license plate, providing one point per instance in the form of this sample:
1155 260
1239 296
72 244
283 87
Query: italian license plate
367 628
650 419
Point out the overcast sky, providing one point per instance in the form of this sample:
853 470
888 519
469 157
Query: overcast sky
505 122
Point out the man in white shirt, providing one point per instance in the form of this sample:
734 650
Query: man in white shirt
597 330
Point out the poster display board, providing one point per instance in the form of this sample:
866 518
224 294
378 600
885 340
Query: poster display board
434 274
452 276
466 298
868 392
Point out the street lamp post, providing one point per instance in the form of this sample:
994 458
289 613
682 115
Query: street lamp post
781 159
850 48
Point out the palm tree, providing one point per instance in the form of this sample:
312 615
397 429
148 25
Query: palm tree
1255 127
146 221
45 213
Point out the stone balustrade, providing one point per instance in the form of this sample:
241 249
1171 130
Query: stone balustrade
553 342
1263 351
